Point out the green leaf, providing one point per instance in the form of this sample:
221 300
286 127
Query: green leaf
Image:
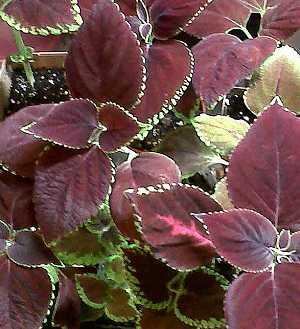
220 132
278 76
80 247
190 154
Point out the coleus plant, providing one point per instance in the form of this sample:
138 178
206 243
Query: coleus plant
61 154
260 236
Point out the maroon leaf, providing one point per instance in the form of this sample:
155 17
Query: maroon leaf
188 105
160 320
202 298
265 300
221 61
270 174
152 275
162 93
69 188
57 14
25 295
128 7
102 52
121 127
70 124
243 237
19 151
4 235
16 207
168 16
281 21
218 17
67 306
293 245
166 223
29 249
91 289
146 169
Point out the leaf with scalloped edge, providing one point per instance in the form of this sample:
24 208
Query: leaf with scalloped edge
67 306
25 296
102 52
279 76
69 187
221 61
189 152
160 320
282 20
16 207
29 249
19 151
69 123
218 16
119 306
221 194
128 7
55 17
91 290
148 168
168 16
265 300
200 301
162 93
166 223
265 164
151 278
243 237
121 127
79 247
221 132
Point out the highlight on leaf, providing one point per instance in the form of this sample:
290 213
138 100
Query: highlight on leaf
278 76
220 132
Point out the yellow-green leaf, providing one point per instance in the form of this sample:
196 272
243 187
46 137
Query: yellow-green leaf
278 76
221 132
221 194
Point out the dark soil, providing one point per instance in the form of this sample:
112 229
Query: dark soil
50 87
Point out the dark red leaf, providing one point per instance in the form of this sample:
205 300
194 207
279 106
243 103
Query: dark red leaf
160 320
152 275
70 124
91 289
128 7
168 16
104 51
188 105
121 127
69 188
167 225
265 300
294 247
202 298
146 169
25 296
19 151
243 237
16 207
221 61
57 14
67 307
29 249
281 21
4 235
268 181
218 17
162 93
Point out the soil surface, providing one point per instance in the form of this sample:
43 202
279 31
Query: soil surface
50 87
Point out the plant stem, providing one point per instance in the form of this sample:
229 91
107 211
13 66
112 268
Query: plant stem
21 48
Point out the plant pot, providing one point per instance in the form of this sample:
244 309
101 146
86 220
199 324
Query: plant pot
48 69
